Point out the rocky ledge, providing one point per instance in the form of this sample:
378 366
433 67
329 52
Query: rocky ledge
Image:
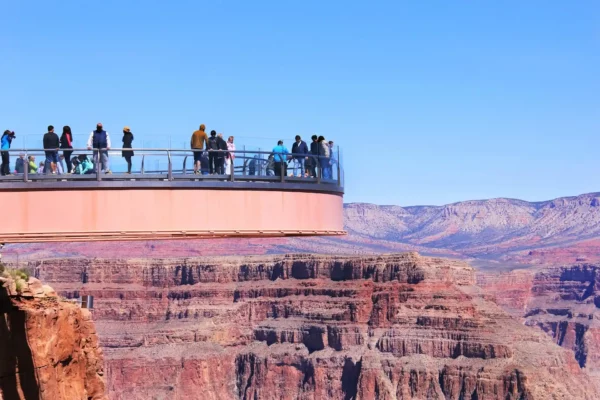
48 346
311 327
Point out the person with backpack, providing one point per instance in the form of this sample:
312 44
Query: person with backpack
127 142
280 157
51 145
66 142
100 140
213 147
197 142
5 142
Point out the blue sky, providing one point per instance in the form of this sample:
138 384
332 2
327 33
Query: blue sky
432 101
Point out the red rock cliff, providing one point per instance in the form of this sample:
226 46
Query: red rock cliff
311 327
562 301
48 347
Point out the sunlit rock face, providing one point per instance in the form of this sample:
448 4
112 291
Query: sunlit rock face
48 346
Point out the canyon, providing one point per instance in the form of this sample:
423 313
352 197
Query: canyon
309 327
176 319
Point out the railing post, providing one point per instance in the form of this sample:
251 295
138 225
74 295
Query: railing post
26 168
170 173
98 163
143 156
281 168
319 170
232 169
339 178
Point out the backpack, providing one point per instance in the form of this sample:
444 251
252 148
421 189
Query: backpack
212 143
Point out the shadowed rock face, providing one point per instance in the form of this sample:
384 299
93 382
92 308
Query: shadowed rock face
48 347
311 327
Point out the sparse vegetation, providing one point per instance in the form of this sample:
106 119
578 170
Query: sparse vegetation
19 285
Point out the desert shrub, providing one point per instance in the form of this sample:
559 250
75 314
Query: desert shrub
19 285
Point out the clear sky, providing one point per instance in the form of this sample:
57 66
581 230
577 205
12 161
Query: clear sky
432 101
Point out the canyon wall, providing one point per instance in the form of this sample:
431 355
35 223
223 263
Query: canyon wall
48 347
311 327
562 301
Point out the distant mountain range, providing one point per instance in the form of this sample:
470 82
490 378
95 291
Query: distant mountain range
495 230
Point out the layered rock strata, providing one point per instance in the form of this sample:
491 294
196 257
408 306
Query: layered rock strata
48 346
562 301
311 327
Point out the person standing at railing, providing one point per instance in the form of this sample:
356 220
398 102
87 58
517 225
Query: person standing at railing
197 143
32 167
127 144
212 147
280 157
20 164
5 142
230 156
60 166
324 154
51 145
300 152
66 142
332 158
220 159
100 140
314 150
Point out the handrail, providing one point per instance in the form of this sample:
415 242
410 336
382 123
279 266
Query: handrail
260 163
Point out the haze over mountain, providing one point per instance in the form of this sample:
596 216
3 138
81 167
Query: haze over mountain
503 230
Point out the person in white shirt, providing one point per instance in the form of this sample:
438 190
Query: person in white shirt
230 156
99 139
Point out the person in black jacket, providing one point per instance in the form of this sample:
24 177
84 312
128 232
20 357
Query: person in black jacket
51 145
66 142
213 146
300 152
314 150
220 160
127 140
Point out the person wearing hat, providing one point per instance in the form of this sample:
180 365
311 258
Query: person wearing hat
127 140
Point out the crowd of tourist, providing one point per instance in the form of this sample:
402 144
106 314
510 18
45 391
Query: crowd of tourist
212 155
219 156
54 162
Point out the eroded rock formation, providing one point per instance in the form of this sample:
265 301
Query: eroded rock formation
563 301
311 327
48 347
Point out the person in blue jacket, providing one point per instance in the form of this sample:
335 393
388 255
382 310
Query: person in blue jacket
5 142
280 157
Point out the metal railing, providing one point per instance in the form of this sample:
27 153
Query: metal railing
259 166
